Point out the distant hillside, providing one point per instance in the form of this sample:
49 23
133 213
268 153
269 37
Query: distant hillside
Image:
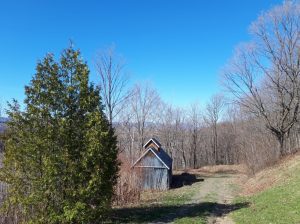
273 194
3 120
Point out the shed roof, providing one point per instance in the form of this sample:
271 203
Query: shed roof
160 154
154 141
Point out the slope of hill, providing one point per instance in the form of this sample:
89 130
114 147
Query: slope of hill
273 195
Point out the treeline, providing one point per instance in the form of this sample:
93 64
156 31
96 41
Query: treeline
193 137
220 133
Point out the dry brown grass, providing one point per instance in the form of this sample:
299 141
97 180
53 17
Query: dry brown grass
127 190
233 169
209 170
269 176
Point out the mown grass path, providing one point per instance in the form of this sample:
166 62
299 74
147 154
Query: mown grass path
207 200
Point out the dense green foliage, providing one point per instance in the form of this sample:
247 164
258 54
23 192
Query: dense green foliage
60 152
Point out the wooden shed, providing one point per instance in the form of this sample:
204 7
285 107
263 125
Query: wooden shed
154 166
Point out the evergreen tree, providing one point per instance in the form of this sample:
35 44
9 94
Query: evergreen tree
60 153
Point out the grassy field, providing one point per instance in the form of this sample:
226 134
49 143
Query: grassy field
279 204
203 201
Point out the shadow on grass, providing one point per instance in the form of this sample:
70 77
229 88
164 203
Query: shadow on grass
165 213
184 179
180 180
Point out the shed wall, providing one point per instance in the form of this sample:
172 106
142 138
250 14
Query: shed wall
154 174
150 160
155 179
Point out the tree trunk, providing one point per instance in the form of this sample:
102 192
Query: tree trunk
215 144
183 155
281 140
184 160
194 149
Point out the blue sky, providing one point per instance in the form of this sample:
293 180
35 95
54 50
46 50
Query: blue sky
179 46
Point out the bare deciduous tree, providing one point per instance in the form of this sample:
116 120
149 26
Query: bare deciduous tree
113 82
264 75
212 117
166 127
144 103
126 132
194 125
180 135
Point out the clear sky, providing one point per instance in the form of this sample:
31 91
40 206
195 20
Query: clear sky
179 46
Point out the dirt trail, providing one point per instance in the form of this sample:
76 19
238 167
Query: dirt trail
218 191
222 187
218 188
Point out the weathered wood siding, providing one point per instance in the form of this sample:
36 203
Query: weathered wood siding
154 174
155 179
150 160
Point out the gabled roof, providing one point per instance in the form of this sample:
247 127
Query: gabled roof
154 141
161 155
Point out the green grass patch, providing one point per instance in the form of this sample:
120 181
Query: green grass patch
189 220
211 197
179 196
